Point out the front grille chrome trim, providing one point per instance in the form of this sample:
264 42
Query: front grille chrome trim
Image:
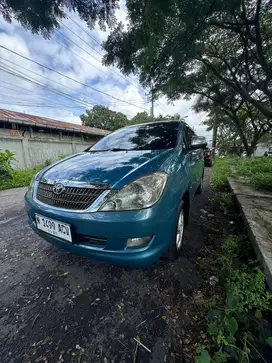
78 195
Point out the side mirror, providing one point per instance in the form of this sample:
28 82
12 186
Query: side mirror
198 142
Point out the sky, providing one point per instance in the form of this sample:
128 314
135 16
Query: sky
77 54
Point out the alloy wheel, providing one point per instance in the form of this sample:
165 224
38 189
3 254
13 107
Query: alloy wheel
180 230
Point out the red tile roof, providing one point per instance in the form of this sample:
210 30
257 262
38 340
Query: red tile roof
23 118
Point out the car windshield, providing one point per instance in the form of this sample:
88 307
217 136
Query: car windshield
155 136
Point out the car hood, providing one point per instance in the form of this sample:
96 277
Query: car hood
114 168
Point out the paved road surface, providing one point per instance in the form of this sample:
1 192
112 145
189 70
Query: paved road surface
57 307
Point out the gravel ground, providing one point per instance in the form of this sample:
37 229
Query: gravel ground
58 307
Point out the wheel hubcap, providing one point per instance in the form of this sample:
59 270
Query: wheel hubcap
180 230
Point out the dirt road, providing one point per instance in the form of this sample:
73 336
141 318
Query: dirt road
57 307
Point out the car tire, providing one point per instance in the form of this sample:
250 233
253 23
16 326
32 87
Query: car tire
177 240
200 187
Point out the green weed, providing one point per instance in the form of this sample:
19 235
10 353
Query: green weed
257 171
235 323
19 178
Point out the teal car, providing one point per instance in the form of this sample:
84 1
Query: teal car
126 199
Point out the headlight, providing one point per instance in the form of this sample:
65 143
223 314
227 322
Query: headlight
31 185
139 194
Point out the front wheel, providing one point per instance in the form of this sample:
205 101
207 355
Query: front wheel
177 241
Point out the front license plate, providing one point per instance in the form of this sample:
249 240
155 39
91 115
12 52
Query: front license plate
56 228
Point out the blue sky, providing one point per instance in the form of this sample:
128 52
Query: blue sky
79 59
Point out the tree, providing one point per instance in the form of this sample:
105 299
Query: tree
243 127
104 118
227 142
42 16
172 46
176 116
141 117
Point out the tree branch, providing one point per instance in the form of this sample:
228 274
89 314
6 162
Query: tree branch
237 87
259 42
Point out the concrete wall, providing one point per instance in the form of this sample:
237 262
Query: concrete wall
32 151
261 149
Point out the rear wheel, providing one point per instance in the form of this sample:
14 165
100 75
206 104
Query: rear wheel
177 241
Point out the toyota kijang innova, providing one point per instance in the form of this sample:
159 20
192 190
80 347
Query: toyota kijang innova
126 199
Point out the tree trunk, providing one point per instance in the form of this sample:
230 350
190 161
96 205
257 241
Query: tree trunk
242 135
214 138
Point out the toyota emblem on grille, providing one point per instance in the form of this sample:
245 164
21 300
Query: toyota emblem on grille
58 188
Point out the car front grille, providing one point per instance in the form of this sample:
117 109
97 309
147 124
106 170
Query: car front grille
74 198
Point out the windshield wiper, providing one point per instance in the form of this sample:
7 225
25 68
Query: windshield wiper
113 149
118 149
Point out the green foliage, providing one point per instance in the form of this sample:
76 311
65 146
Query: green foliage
210 51
269 341
225 201
104 118
44 16
20 178
48 162
6 158
141 117
175 116
233 324
220 173
225 62
247 284
62 156
257 171
203 356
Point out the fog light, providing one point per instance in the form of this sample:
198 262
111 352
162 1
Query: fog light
137 242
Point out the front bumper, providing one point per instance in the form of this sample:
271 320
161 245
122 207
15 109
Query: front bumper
116 228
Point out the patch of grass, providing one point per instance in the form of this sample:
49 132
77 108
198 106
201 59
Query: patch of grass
221 171
225 201
19 178
257 171
236 317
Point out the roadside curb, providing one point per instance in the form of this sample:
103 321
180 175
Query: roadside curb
256 210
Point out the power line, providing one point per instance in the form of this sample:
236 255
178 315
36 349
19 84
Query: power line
132 81
99 60
49 79
37 74
32 80
31 93
35 105
136 85
82 28
70 78
93 48
77 55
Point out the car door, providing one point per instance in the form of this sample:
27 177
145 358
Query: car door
192 159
